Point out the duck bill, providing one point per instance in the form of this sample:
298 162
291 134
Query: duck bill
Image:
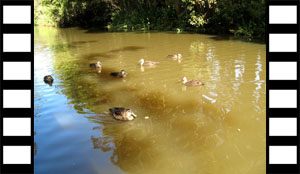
133 115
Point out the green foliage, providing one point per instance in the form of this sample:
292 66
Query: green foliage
67 13
144 20
243 18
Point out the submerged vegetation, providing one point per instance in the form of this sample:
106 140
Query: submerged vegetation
242 18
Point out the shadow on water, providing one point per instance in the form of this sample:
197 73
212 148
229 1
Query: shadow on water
233 38
95 30
92 56
126 48
143 32
82 42
221 38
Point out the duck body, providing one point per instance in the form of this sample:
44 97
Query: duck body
174 56
48 79
192 82
121 74
147 63
97 65
122 113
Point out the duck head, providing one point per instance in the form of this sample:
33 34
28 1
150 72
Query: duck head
98 63
130 114
184 80
141 61
48 79
179 56
123 72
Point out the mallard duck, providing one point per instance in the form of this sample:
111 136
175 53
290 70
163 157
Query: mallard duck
48 79
122 113
96 65
120 74
147 63
175 56
192 82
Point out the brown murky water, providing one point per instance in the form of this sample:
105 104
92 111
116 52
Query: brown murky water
218 128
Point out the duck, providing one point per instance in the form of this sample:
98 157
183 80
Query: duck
48 79
121 74
175 56
192 82
96 65
147 63
122 114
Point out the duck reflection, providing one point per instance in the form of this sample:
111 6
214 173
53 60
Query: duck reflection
133 148
142 69
35 146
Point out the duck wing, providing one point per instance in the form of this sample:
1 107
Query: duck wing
197 83
117 111
115 74
194 83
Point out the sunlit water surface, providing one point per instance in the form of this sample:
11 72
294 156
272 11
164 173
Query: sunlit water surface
218 128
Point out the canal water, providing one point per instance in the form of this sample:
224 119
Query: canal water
218 128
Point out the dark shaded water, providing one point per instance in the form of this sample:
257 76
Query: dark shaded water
217 128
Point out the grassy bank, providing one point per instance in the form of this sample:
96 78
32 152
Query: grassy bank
242 18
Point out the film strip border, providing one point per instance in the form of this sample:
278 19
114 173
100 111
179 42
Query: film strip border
282 40
17 64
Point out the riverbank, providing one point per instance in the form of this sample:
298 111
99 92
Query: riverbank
243 18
